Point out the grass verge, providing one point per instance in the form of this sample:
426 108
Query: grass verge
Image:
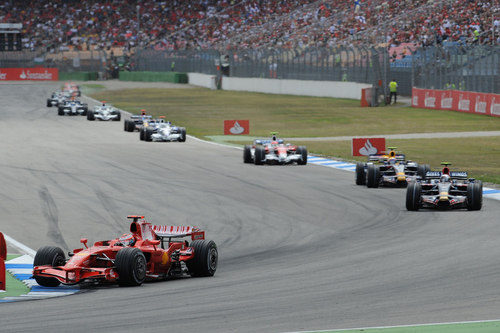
202 111
14 287
483 327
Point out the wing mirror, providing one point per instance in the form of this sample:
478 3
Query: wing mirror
84 242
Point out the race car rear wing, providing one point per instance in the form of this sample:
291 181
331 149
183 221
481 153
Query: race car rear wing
453 174
164 231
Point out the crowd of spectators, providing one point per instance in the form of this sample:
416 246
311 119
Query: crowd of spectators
53 25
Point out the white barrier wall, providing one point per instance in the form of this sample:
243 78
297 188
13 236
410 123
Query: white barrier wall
202 80
335 89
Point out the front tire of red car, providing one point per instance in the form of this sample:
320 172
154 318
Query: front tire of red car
205 258
49 255
131 267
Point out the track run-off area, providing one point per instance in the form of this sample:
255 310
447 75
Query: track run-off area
301 247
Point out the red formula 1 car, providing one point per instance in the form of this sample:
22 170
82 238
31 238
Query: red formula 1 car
148 252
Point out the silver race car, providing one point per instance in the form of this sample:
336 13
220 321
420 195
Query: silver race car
445 190
163 132
57 98
72 108
104 112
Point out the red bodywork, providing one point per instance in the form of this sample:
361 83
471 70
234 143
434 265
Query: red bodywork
278 148
97 262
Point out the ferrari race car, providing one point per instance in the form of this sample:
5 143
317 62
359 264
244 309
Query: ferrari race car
149 252
72 107
445 190
389 169
137 122
162 131
57 97
104 112
274 151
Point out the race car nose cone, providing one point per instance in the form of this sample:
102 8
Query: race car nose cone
443 196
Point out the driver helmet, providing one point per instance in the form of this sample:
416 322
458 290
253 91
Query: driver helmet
444 178
127 240
143 112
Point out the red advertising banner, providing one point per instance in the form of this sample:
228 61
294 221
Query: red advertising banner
456 100
367 146
29 74
236 127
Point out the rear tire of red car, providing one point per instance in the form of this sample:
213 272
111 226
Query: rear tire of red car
360 174
413 195
205 258
475 195
373 176
131 267
302 150
49 255
247 154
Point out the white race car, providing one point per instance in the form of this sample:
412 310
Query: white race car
163 132
104 112
57 98
72 108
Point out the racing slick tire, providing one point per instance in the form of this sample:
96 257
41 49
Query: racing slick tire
422 170
131 266
475 195
360 173
49 104
247 154
49 255
302 150
182 138
129 126
205 258
413 195
142 133
147 135
90 115
60 111
259 156
373 176
119 116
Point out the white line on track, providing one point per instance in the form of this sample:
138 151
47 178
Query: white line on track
397 326
18 245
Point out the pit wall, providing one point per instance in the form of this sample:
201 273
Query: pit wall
457 100
336 89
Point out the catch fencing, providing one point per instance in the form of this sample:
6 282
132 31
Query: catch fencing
466 67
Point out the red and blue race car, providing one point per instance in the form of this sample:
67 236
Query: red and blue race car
148 252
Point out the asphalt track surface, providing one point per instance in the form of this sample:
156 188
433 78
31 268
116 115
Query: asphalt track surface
301 247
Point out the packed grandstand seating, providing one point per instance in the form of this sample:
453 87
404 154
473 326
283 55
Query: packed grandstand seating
53 25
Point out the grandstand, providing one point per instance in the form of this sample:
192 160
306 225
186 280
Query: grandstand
224 24
361 40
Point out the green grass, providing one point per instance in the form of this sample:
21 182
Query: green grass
202 111
484 327
91 88
14 287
